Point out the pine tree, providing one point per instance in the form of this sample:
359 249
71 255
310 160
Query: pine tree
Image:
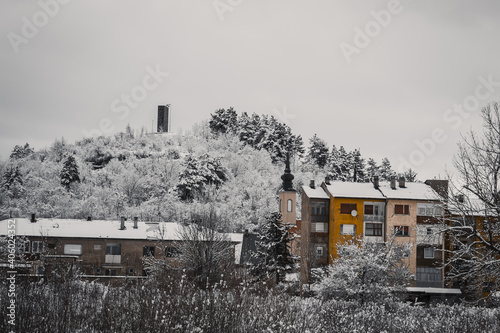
410 175
386 170
198 173
13 183
345 164
358 166
21 152
224 121
334 171
318 152
273 249
372 169
69 172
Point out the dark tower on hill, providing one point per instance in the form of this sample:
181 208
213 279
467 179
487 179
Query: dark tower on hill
163 118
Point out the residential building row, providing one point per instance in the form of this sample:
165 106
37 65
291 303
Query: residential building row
98 248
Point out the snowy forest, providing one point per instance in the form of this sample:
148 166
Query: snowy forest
227 170
231 162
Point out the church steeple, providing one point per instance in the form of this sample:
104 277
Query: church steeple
287 177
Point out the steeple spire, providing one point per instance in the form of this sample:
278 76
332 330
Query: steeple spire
287 177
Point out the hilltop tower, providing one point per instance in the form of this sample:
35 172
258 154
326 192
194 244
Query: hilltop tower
288 196
163 118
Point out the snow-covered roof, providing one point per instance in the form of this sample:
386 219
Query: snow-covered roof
411 191
340 189
71 228
315 193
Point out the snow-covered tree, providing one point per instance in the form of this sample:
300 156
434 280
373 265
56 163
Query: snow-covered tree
358 167
273 249
372 168
410 175
317 154
385 170
13 183
21 152
474 202
198 173
69 172
224 121
367 272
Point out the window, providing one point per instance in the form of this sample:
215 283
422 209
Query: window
113 253
319 227
318 208
171 252
347 229
428 252
402 209
36 247
429 209
346 208
429 231
428 274
369 209
131 271
113 249
27 246
289 205
402 230
74 249
98 270
319 251
97 247
373 229
148 251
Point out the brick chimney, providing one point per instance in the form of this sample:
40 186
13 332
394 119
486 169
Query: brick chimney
327 180
89 218
135 222
33 218
402 182
311 184
122 223
393 182
376 183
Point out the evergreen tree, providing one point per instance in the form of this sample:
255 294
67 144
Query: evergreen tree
334 171
372 169
69 172
246 129
410 175
318 152
199 172
21 152
13 183
344 164
358 167
273 249
386 170
224 121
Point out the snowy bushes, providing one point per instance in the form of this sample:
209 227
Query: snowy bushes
180 307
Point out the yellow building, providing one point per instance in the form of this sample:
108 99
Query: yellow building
356 211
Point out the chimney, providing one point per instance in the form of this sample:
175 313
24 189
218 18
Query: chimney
122 223
135 222
327 180
89 218
402 182
376 182
311 184
393 182
33 218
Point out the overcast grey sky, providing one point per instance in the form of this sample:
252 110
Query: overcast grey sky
374 75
